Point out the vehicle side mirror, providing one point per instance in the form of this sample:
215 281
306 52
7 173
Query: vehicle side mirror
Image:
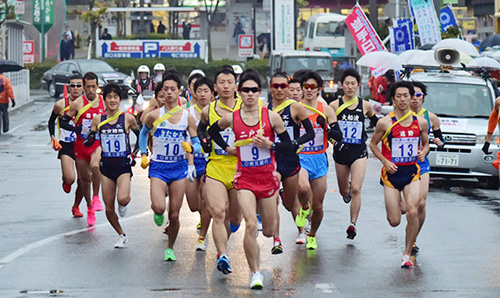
75 72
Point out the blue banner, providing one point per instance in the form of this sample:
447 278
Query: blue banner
402 36
447 18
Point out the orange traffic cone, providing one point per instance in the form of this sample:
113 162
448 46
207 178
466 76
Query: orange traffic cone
65 92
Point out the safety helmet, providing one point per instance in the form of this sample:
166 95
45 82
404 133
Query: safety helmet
195 71
159 66
143 68
237 69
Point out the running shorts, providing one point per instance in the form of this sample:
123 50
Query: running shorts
67 149
200 165
168 171
315 164
425 167
113 168
263 185
83 152
404 176
287 165
350 153
221 171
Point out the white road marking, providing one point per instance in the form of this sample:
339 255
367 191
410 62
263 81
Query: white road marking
17 127
37 244
326 288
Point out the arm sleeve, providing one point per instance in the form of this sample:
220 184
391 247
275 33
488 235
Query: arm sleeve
137 133
334 132
373 119
309 135
202 130
51 124
196 145
285 144
64 123
143 139
214 132
493 121
438 134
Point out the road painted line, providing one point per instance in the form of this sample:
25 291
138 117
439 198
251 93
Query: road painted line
326 288
37 244
17 127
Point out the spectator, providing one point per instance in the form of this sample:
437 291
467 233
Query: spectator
71 38
65 47
161 28
379 87
6 92
186 29
105 35
264 48
238 29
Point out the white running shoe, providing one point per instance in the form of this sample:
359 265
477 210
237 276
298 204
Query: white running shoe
122 210
202 245
122 242
308 227
257 281
301 238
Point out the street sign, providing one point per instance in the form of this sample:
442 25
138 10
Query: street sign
283 20
43 14
19 7
245 45
28 51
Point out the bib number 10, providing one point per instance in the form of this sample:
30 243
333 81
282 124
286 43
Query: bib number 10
175 149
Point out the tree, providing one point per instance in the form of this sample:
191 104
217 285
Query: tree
120 17
7 11
210 12
93 17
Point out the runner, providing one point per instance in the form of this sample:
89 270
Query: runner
190 94
222 200
493 121
87 158
115 166
350 162
255 180
168 170
401 133
293 114
67 138
195 191
313 159
433 122
295 90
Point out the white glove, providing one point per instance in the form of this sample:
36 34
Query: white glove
191 173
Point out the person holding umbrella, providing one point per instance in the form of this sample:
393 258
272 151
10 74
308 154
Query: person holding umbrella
6 93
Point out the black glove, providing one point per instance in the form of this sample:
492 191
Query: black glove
322 122
206 144
90 139
486 148
131 159
13 103
78 129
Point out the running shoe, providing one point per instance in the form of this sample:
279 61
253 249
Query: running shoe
277 248
159 219
351 232
301 238
406 262
169 255
308 227
281 193
198 227
202 244
66 187
347 198
166 229
301 218
232 228
76 212
257 281
97 203
311 243
223 264
259 222
122 242
414 249
122 210
91 216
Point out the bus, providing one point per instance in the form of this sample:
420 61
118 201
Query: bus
325 32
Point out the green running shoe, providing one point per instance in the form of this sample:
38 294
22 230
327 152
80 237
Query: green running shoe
169 255
159 219
311 243
301 218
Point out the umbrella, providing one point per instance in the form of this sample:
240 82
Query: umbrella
484 62
406 55
9 65
490 41
261 36
426 58
381 60
458 44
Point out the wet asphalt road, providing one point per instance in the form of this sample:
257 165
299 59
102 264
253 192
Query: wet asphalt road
42 247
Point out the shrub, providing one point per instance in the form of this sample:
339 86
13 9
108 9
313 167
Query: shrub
36 72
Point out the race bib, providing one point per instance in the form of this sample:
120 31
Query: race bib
315 144
351 131
113 145
404 149
167 145
228 136
200 155
85 127
289 129
252 156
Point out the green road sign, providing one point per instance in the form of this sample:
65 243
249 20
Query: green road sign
43 15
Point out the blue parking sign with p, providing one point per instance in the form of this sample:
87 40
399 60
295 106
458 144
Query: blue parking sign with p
150 49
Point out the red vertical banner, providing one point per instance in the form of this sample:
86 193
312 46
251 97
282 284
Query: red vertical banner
366 38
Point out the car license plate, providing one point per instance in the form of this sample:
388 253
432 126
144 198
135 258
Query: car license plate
446 159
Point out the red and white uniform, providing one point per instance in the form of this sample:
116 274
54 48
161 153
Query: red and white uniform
402 143
255 170
85 120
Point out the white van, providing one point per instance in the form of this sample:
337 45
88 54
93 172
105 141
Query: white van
325 32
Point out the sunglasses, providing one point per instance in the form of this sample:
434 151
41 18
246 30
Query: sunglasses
310 86
75 85
277 86
248 89
418 94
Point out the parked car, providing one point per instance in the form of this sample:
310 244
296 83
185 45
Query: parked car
54 79
463 103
